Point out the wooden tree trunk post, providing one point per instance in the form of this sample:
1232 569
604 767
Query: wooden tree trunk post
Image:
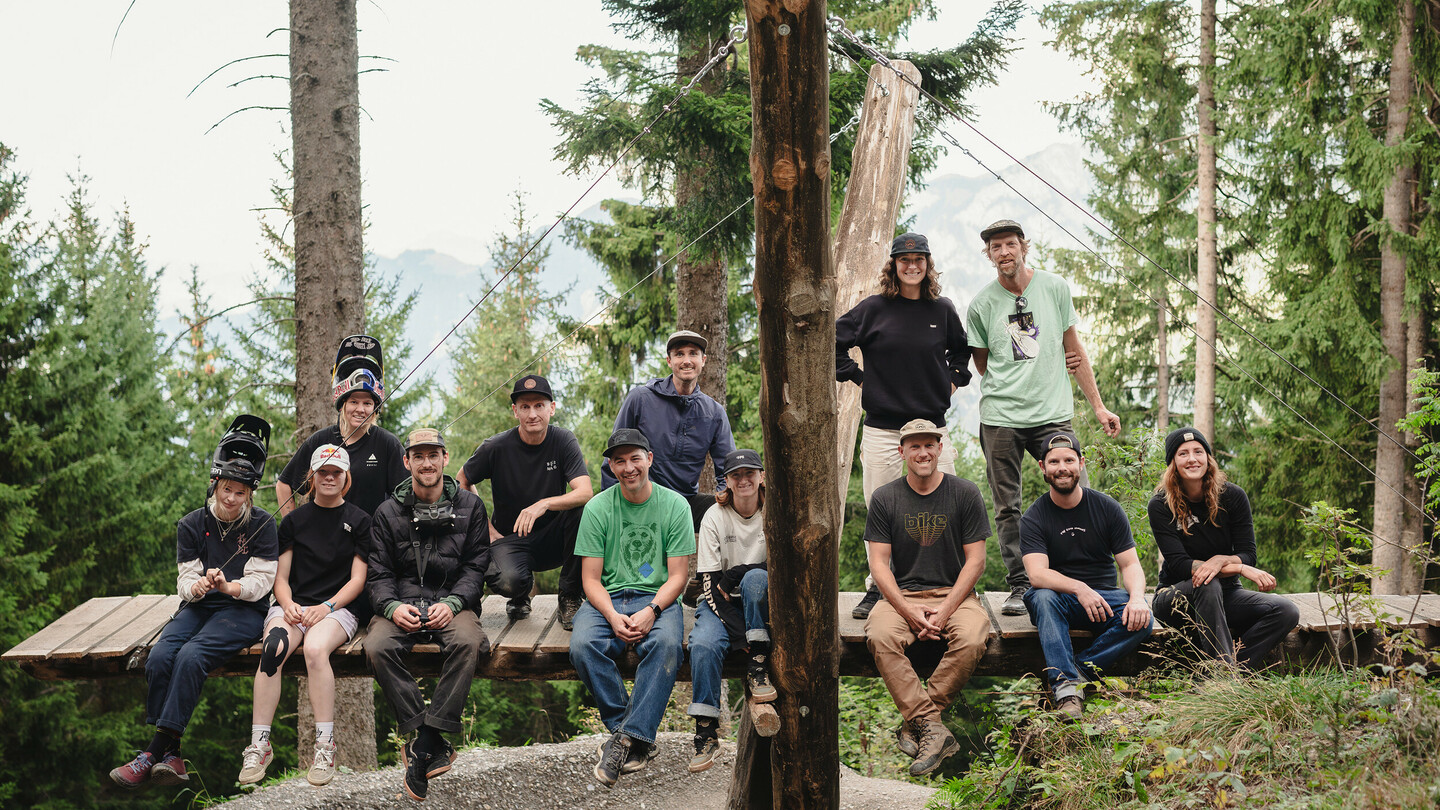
1390 460
795 291
1162 363
867 220
1207 260
329 271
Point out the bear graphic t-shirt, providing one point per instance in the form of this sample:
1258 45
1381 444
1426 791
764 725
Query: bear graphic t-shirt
928 534
636 539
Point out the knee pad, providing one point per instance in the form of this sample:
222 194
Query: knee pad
272 655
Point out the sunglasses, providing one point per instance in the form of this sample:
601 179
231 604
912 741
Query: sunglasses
1020 303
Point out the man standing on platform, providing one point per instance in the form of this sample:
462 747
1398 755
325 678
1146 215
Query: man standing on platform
538 485
635 543
926 535
682 422
1021 327
1072 538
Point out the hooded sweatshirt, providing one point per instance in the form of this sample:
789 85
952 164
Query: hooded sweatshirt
681 430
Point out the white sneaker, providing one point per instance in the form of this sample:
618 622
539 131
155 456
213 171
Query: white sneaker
253 762
322 770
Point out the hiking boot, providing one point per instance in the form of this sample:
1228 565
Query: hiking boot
757 676
613 753
439 763
569 606
253 762
907 737
641 754
1071 707
170 770
518 608
322 769
707 748
134 773
862 610
935 744
417 781
1014 604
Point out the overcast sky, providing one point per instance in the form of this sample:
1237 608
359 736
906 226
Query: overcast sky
452 128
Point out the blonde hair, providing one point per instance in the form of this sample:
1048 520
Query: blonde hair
370 421
929 288
1174 492
213 502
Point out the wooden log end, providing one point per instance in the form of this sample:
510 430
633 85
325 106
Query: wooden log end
765 718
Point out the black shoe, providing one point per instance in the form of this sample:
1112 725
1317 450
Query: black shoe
862 610
707 748
569 606
417 781
1014 604
641 754
613 754
518 608
439 763
757 678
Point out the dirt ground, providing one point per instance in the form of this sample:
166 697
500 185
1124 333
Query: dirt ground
555 776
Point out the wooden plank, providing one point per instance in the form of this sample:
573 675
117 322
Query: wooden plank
493 620
525 634
1008 626
64 628
1426 611
851 628
1311 617
100 631
142 630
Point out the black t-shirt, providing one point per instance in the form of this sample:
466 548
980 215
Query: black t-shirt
928 535
377 466
199 536
325 543
521 474
1235 535
1081 542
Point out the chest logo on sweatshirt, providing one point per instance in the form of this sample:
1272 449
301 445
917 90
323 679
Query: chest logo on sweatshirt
926 527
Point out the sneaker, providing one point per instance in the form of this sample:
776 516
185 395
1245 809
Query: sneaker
707 748
758 680
417 782
569 606
322 769
862 610
439 763
907 737
134 773
936 743
641 754
1071 707
518 608
253 762
1014 604
170 770
613 753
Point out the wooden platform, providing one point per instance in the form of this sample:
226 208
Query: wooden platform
99 639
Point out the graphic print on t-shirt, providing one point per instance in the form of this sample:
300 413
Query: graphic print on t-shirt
639 544
926 527
1024 336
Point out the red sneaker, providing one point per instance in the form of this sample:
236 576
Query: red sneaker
134 773
170 770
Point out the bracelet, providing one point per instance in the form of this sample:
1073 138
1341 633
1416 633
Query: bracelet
658 610
330 605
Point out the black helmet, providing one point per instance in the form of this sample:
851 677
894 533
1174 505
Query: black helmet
241 453
359 366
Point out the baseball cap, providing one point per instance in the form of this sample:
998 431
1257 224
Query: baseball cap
626 437
330 455
532 384
686 336
910 243
1060 439
1002 226
424 437
920 427
742 460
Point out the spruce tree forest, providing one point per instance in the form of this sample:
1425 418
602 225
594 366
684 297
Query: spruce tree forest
1277 158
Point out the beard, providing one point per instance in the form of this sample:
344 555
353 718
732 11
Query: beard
1069 485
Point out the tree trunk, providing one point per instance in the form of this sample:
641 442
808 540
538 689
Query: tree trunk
1208 259
1390 458
795 292
1162 364
867 220
329 267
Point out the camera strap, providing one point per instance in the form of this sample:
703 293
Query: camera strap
422 553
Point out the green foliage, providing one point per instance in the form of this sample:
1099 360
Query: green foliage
1425 398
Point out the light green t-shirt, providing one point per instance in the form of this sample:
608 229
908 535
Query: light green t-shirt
635 539
1025 383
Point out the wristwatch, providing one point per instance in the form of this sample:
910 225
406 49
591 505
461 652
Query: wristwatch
658 610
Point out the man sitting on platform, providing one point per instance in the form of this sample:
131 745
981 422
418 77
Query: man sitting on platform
1072 537
931 526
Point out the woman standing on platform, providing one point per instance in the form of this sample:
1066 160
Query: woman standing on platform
226 555
318 587
1203 527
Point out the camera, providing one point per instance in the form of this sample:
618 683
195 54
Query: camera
422 605
434 518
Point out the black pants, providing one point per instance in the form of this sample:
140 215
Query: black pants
1214 617
514 559
462 642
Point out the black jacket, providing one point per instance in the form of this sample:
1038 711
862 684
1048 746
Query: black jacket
454 564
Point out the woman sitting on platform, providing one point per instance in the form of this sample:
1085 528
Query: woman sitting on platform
317 599
226 553
1202 526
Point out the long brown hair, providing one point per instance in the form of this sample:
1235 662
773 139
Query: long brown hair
724 499
929 289
1211 485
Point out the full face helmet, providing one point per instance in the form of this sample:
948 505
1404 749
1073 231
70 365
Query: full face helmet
240 456
359 366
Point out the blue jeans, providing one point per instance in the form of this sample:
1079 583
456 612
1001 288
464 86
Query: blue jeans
202 636
594 650
1056 614
709 641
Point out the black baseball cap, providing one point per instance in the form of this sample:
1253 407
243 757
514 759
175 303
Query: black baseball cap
532 384
910 243
1060 439
626 437
1002 226
742 460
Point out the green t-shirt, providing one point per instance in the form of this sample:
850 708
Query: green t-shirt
635 539
1025 382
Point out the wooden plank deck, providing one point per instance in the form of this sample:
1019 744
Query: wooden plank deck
94 639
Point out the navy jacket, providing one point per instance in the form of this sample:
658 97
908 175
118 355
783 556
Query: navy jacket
681 430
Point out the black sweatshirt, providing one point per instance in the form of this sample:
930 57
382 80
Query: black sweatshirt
1235 535
913 349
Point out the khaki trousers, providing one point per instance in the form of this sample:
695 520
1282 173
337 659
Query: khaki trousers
888 635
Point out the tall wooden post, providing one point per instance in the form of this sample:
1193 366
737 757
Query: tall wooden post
867 221
1207 264
795 291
